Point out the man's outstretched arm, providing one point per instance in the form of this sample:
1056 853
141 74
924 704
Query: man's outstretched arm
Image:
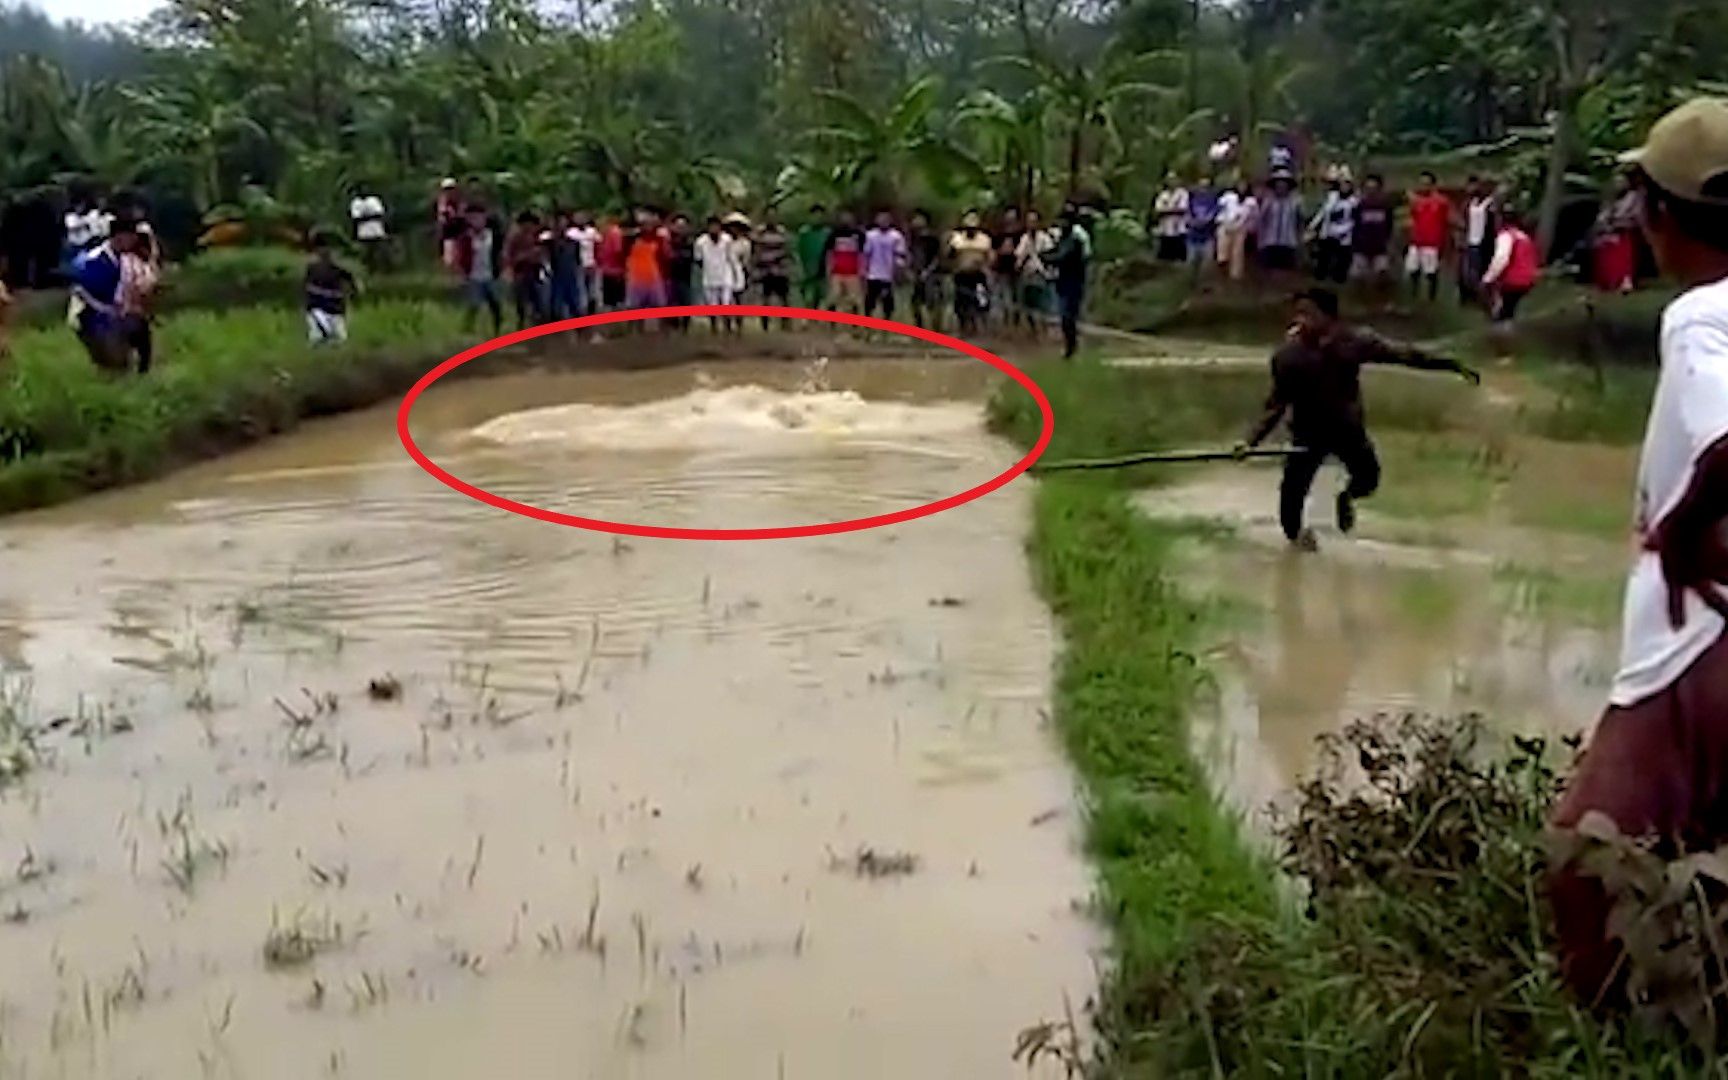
1374 349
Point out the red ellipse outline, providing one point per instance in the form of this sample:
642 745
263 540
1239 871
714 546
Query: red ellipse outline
625 528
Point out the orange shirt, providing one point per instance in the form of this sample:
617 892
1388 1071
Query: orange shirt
645 265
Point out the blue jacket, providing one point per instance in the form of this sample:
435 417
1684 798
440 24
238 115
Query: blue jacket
96 282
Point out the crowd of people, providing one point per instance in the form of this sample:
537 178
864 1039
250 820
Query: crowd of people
1352 234
1018 272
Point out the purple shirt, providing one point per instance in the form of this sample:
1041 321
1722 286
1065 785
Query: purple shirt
884 253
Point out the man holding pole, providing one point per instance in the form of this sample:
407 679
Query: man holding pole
1317 379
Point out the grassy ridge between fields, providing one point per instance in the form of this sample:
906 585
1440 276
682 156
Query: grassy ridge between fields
1416 943
222 380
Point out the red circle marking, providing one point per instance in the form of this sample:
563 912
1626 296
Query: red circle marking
625 528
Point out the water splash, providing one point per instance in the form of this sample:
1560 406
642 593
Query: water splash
734 418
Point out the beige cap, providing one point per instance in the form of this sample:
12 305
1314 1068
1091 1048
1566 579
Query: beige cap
735 218
1686 153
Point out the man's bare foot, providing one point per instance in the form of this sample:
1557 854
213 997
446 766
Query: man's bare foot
1306 542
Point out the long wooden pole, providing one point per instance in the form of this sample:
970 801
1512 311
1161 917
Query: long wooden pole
1165 457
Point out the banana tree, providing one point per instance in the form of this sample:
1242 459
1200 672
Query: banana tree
1015 135
881 155
1090 98
195 123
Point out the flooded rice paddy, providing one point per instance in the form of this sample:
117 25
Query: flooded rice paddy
330 770
312 766
1440 617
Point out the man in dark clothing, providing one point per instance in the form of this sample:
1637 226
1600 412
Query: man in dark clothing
1070 258
327 287
680 267
525 258
1317 379
1374 232
564 262
926 256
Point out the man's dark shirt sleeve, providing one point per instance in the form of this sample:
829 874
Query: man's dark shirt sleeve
1277 403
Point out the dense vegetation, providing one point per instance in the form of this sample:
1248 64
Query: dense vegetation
753 100
1412 938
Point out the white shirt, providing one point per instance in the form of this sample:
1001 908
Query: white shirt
1171 210
721 268
1688 414
1229 210
586 237
368 214
88 227
1029 255
1477 229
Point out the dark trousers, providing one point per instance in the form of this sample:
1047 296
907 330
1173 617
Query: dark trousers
1333 261
1357 456
879 292
526 291
566 296
139 336
1070 296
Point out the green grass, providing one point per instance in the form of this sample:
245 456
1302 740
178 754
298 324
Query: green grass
222 380
1424 947
1592 599
227 278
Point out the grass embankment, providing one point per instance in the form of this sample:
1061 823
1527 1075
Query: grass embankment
222 380
1422 947
1562 322
227 278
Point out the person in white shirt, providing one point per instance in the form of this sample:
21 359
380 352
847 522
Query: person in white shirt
1481 226
587 239
1170 220
1657 762
1335 228
366 210
85 226
716 268
1032 263
1237 210
740 252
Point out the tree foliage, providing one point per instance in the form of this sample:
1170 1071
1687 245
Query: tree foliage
746 101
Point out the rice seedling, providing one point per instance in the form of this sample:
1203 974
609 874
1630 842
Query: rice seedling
868 862
19 751
188 853
302 939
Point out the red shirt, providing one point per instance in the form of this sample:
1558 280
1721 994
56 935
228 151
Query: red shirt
1430 220
1526 265
609 254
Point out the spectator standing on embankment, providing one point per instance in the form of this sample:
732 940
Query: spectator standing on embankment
1657 763
1430 223
1071 258
1514 272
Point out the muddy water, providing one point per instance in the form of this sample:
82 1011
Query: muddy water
1377 625
639 809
